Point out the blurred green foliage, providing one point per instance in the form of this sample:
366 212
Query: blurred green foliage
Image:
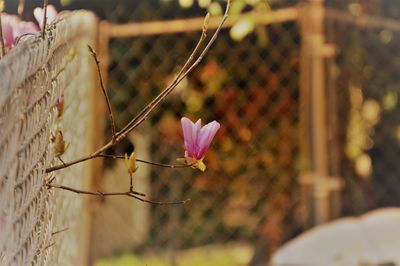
229 255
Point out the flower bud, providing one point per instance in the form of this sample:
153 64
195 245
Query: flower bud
59 144
59 104
131 163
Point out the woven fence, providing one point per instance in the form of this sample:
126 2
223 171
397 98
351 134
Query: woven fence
33 76
365 88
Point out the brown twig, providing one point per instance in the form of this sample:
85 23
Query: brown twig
67 164
96 193
183 73
3 47
18 39
131 183
45 4
50 245
110 112
170 87
143 115
132 194
59 231
146 162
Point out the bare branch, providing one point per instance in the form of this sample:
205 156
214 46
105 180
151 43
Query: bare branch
148 109
146 162
50 245
131 182
132 194
110 112
3 47
67 164
45 4
96 193
19 38
167 90
59 231
143 115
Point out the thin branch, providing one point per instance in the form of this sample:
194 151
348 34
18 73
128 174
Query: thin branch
131 183
167 90
97 193
50 245
67 164
59 231
143 115
45 4
110 112
146 162
18 39
3 47
132 194
162 202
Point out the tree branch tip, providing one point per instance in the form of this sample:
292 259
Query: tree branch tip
59 231
206 22
91 49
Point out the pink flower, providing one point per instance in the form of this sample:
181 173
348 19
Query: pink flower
13 28
197 139
23 27
8 23
39 14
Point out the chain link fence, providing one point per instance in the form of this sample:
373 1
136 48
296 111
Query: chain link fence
365 85
40 225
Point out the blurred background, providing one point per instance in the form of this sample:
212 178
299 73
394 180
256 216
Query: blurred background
309 113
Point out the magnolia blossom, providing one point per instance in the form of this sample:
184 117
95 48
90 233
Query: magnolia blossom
197 139
8 23
39 15
13 28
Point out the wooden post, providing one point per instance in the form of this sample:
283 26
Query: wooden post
95 126
314 109
97 132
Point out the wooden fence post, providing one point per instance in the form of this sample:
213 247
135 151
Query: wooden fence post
313 105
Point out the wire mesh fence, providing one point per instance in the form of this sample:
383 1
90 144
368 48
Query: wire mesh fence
367 85
33 76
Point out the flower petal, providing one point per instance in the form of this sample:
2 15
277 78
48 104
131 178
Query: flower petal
196 134
206 135
8 22
189 141
39 13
